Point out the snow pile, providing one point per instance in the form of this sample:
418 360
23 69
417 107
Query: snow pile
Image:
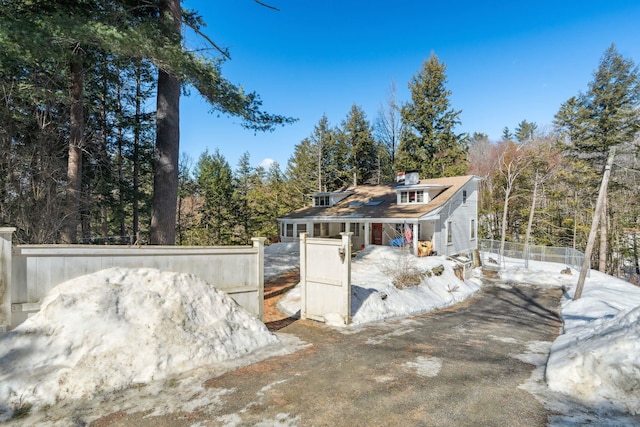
597 359
120 327
374 297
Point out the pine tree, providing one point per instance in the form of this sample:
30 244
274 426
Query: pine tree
525 131
215 183
330 153
302 172
362 152
607 114
244 215
428 142
507 135
598 122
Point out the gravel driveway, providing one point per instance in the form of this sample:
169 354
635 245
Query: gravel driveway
455 367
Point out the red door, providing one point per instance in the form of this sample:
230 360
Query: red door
376 233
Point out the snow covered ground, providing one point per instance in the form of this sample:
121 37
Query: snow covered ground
139 332
592 375
374 297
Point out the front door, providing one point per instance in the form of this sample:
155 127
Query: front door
376 233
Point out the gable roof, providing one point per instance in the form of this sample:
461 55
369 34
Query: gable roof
354 205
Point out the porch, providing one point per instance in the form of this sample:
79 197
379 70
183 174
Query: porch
369 231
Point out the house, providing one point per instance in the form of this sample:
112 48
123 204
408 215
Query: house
441 211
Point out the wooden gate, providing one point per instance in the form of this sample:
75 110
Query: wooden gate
325 277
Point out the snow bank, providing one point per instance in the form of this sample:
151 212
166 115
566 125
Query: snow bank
120 327
597 359
375 298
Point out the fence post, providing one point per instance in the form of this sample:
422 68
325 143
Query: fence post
303 275
346 276
258 242
6 234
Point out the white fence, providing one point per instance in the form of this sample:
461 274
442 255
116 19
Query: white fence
325 277
29 272
490 253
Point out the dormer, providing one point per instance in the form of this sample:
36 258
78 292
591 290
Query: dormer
329 198
411 191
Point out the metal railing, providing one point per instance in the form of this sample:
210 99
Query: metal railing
516 252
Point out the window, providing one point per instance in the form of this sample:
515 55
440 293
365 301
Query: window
354 228
282 229
321 201
464 196
412 196
473 229
302 228
449 232
289 230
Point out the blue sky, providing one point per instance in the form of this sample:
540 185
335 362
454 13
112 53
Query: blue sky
506 61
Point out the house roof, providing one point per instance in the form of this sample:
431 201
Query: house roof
358 203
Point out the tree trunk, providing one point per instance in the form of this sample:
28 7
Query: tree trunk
120 165
74 163
165 179
503 232
136 160
530 223
636 259
602 255
575 218
594 224
531 212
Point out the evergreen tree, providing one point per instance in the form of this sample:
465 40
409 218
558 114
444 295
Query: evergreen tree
330 151
526 131
215 183
428 142
606 115
244 214
302 172
362 152
279 203
189 204
507 135
595 124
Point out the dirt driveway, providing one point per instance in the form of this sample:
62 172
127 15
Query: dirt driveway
455 367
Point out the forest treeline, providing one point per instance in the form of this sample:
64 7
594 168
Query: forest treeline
538 186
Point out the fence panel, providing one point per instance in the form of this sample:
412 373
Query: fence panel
36 269
518 253
325 277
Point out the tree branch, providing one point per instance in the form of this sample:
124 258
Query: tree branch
266 5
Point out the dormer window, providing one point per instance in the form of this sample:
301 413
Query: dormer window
321 201
413 196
